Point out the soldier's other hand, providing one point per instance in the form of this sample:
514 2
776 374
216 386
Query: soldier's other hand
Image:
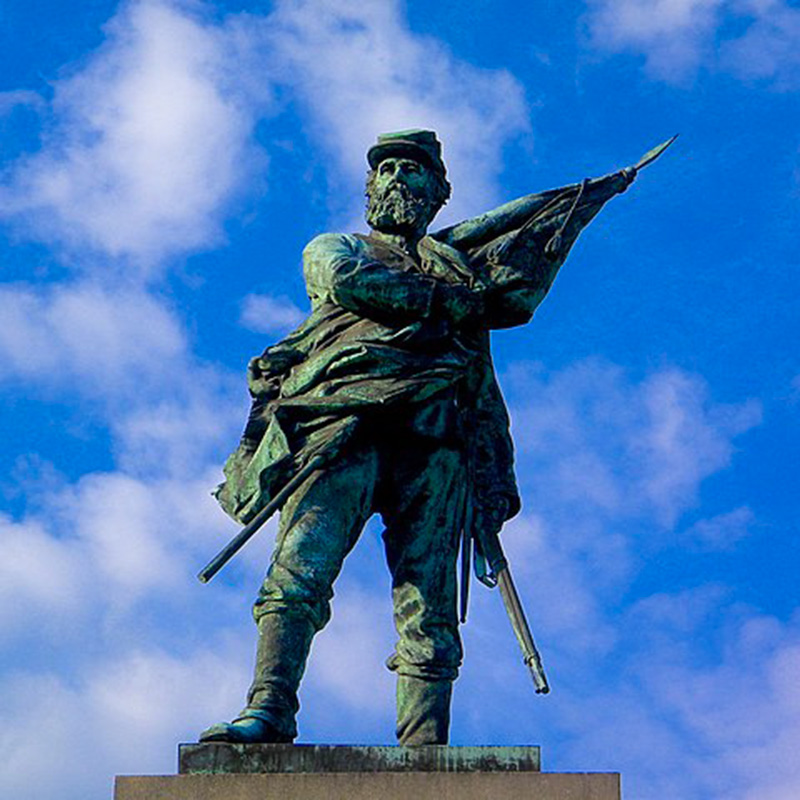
628 176
262 378
497 513
459 305
491 516
258 381
255 369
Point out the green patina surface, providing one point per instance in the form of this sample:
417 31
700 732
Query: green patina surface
274 758
391 376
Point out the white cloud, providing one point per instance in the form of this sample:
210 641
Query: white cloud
561 584
108 632
124 525
679 37
750 689
93 340
38 578
123 715
151 138
348 666
768 49
263 313
686 438
359 71
673 34
675 677
151 141
19 97
722 531
126 352
619 448
695 699
109 562
179 431
110 536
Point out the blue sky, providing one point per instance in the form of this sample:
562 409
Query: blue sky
163 165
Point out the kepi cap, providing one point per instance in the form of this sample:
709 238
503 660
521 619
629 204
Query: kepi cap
421 145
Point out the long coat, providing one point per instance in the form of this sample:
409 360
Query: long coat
374 344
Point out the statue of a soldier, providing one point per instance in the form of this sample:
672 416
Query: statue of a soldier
391 379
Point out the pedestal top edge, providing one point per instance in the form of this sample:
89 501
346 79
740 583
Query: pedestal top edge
223 758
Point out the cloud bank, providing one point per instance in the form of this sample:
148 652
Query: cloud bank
359 70
145 146
750 39
148 149
263 313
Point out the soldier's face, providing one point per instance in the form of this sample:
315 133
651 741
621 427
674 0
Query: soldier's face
400 196
392 171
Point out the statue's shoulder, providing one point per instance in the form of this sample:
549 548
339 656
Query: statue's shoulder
331 244
325 255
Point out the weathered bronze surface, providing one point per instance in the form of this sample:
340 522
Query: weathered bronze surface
386 397
222 758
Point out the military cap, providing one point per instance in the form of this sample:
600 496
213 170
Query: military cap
421 145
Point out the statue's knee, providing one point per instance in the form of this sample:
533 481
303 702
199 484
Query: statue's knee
317 612
443 668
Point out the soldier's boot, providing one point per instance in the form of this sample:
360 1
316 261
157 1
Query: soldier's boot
423 710
269 717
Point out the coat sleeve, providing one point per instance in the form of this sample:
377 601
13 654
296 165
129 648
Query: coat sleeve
337 268
493 461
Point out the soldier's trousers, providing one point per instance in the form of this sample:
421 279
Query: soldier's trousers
417 486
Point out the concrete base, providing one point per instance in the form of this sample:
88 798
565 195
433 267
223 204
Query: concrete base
374 786
311 772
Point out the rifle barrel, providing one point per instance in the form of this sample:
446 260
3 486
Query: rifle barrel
522 630
236 544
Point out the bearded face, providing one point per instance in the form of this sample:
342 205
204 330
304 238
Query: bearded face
402 197
395 209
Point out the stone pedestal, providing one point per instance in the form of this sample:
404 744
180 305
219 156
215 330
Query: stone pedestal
308 772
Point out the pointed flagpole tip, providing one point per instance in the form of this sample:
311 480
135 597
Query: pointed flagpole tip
651 155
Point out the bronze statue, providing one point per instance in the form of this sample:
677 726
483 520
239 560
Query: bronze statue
385 401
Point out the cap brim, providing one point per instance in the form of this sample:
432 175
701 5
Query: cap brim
402 147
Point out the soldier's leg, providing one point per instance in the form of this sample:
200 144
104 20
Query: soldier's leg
319 525
422 508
